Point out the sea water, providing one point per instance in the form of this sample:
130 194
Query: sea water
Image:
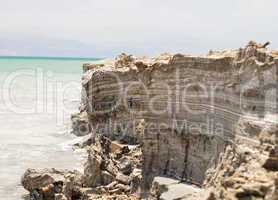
37 97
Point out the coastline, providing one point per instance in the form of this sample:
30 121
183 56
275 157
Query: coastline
231 161
35 132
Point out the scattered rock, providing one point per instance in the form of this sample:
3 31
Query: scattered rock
238 162
123 178
125 166
107 178
92 169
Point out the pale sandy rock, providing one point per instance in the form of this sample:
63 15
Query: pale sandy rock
92 169
34 178
171 189
217 126
123 178
247 170
80 124
115 146
83 142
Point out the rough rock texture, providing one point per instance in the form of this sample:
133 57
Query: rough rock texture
248 170
209 121
182 108
171 189
80 124
40 178
109 173
50 184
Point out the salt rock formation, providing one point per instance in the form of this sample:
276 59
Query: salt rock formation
208 123
112 163
183 109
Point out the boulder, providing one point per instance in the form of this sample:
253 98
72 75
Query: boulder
34 179
50 184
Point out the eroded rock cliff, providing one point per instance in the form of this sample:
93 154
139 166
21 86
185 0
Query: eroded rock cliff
187 106
209 121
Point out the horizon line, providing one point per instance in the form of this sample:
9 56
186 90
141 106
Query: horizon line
51 57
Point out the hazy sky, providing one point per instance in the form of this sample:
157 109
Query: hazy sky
105 28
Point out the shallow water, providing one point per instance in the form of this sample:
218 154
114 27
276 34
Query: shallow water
35 108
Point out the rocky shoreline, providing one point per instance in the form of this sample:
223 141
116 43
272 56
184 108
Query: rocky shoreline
174 127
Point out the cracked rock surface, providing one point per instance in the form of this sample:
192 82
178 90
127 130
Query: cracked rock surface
175 127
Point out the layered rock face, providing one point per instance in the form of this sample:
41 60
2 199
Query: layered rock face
182 108
208 121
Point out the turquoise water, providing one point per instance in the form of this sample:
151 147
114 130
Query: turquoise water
35 114
54 64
